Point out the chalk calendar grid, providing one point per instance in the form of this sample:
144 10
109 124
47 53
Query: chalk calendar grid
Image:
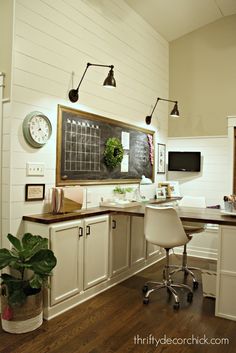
82 143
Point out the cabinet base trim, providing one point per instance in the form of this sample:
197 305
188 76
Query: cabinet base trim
51 312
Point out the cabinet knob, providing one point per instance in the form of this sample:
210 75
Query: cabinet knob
113 224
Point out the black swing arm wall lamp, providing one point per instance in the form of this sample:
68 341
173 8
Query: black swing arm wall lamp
174 111
109 81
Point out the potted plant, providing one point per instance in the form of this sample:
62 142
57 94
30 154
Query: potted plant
28 263
119 192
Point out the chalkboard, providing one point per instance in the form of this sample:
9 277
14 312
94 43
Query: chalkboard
81 139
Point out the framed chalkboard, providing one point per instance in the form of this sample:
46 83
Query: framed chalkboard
81 140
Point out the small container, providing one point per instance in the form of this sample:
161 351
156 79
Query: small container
230 206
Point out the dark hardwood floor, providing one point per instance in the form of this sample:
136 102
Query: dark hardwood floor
110 322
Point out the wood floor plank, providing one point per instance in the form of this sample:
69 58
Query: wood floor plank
110 322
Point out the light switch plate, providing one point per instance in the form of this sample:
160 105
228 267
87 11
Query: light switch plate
35 169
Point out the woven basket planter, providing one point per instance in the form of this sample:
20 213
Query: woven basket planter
24 318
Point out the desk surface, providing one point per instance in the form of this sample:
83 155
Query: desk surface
204 215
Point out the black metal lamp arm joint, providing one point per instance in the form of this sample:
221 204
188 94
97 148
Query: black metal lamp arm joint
149 117
73 94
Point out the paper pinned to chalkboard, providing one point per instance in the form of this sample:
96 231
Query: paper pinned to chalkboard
125 140
124 167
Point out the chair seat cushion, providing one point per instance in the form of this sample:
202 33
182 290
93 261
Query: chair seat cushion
190 229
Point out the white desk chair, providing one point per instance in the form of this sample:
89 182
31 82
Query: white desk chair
163 227
190 229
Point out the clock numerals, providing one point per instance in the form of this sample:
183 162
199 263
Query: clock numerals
37 129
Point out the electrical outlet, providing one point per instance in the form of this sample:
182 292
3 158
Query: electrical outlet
35 169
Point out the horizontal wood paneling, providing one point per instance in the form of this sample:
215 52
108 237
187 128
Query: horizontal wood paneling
52 39
212 181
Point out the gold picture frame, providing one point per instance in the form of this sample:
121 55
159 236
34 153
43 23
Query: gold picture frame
167 188
79 178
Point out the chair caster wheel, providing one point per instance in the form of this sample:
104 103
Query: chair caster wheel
145 300
145 289
190 297
176 306
195 285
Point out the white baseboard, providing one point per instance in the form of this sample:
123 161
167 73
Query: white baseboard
195 251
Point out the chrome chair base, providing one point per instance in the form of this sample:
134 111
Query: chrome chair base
168 284
184 268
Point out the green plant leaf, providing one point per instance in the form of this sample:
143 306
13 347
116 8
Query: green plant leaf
43 262
37 280
6 258
15 242
31 245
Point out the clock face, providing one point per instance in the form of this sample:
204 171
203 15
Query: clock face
37 129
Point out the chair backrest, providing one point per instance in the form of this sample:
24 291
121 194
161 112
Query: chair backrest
193 201
163 227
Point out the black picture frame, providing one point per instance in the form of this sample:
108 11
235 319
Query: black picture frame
34 192
161 158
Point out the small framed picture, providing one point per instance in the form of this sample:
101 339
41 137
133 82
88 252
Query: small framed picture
167 188
161 158
161 193
34 192
174 188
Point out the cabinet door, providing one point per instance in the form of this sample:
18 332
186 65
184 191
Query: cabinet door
67 243
152 249
95 250
138 242
120 243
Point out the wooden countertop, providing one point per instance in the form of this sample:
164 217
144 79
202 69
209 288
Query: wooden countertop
48 218
204 215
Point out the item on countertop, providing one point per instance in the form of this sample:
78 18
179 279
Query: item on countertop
230 203
145 181
214 207
66 199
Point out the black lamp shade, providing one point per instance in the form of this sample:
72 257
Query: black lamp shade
110 80
175 112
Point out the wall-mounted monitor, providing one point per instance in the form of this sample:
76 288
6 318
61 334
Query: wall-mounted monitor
184 161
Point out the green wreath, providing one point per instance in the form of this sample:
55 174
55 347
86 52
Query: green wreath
113 153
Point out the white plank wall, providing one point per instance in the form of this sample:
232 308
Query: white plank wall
212 180
52 39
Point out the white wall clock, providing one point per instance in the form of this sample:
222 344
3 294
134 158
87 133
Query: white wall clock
37 129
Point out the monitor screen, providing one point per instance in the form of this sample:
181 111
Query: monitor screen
184 161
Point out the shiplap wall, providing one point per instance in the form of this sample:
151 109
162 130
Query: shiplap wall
213 179
52 39
212 182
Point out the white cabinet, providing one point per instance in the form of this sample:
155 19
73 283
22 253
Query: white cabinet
152 250
138 242
81 249
226 274
95 250
120 243
67 243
